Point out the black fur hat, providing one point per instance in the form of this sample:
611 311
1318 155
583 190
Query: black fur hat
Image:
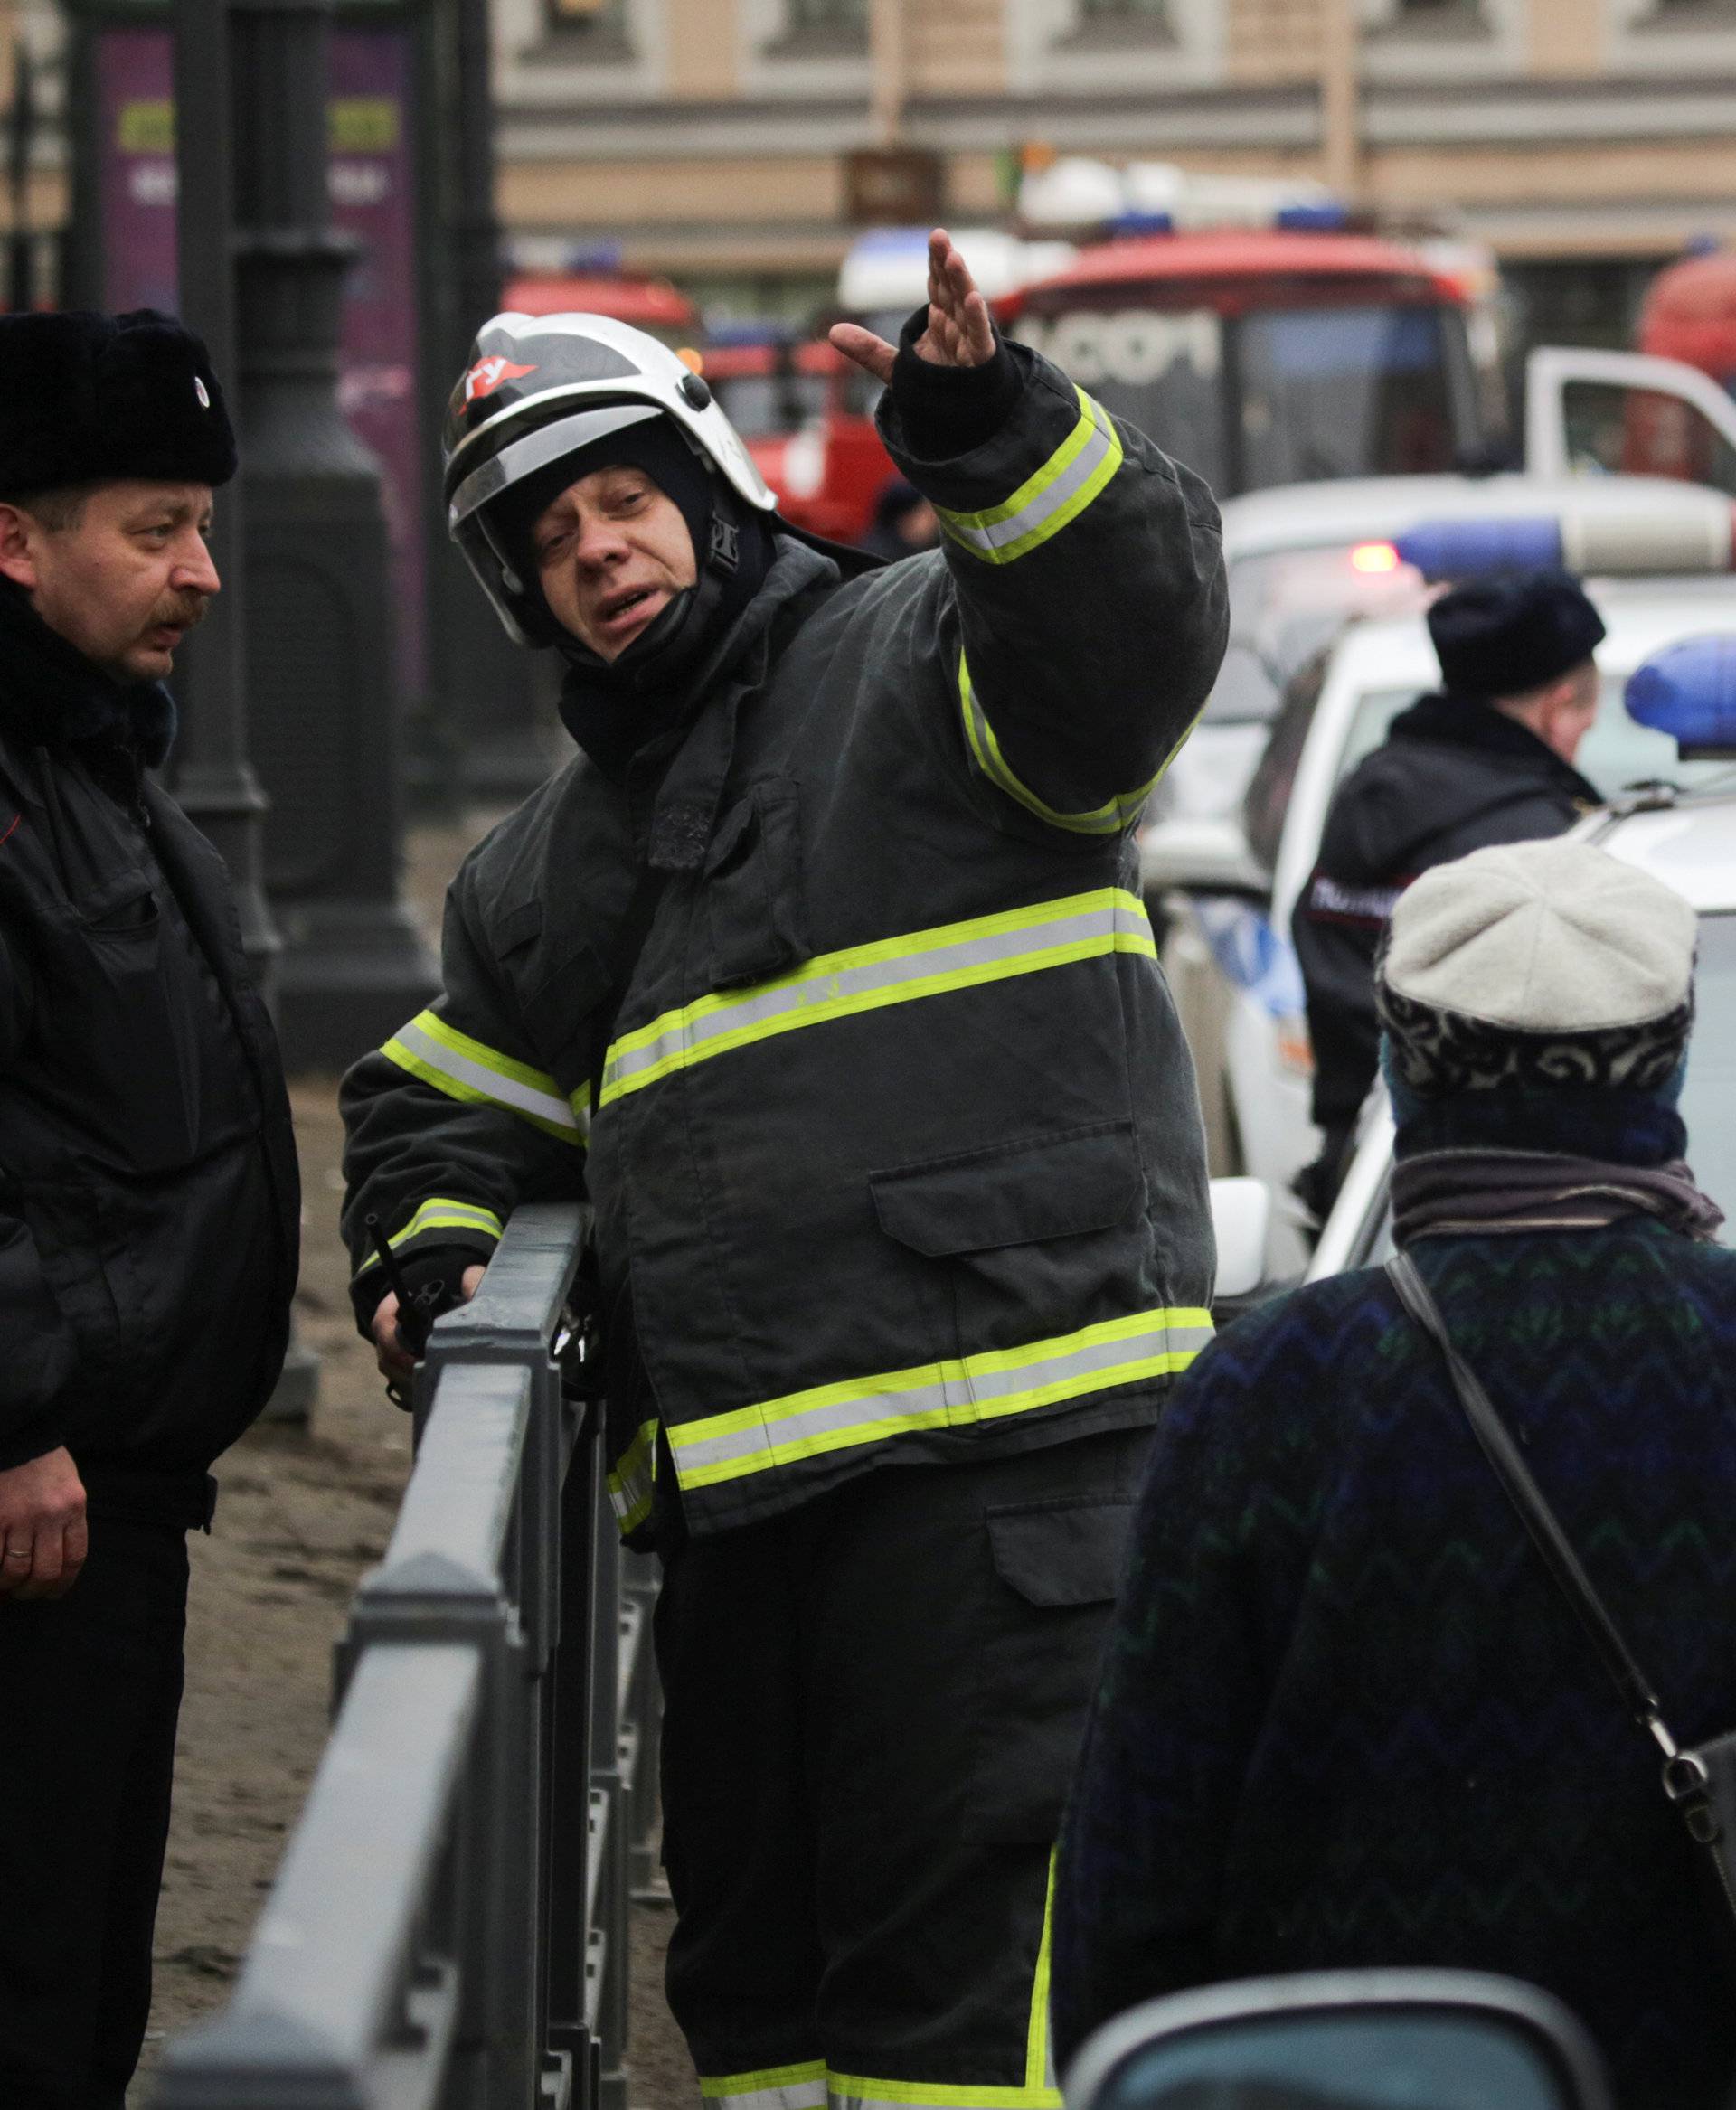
96 399
1501 636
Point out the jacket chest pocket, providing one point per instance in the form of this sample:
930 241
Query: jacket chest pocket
119 1027
753 889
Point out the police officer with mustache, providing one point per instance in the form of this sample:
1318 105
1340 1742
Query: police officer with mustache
147 1170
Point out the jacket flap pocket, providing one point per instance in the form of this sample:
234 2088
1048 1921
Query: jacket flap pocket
1065 1553
124 901
1088 1180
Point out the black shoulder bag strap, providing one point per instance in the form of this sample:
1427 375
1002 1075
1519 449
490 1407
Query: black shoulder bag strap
1700 1782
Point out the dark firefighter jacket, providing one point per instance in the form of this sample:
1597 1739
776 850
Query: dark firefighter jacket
1454 775
149 1200
894 1133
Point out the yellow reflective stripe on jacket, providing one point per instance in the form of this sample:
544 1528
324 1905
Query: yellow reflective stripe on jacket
632 1479
1044 503
936 1394
892 970
439 1214
469 1070
1039 2053
849 2091
779 2088
1120 811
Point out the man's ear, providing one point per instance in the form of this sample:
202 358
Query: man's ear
18 533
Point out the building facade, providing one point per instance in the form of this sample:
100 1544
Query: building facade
715 140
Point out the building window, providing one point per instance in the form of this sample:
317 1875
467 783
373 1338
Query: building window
1098 23
591 29
822 29
1426 18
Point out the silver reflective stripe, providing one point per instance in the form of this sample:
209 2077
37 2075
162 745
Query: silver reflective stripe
968 1391
487 1083
837 991
1060 495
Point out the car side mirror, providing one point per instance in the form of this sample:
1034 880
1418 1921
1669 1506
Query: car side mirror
1345 2041
1241 1223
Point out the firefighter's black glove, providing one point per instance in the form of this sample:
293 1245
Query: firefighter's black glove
944 412
433 1281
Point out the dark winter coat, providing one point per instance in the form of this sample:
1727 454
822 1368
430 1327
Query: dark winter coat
1347 1717
895 1136
149 1200
1454 775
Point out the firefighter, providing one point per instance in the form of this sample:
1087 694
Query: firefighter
1487 758
823 971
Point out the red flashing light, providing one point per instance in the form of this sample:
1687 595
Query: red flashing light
1374 557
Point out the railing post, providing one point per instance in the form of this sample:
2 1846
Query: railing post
404 1955
609 1839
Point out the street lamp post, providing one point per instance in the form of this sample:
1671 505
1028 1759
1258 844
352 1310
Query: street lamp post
484 718
319 639
214 780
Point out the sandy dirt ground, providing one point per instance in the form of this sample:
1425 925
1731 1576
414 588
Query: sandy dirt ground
302 1513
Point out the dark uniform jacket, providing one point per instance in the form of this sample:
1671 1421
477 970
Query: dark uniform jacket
893 1133
149 1201
1454 775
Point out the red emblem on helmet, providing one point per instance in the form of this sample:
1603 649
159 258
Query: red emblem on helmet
488 375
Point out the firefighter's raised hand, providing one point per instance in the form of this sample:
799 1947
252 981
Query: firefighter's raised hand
959 331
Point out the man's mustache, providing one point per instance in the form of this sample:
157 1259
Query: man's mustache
183 610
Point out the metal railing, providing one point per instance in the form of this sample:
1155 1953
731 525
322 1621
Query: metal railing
448 1930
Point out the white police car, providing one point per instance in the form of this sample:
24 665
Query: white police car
1303 559
1684 836
1225 908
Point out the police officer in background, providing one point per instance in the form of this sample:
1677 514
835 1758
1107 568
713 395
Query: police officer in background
1486 758
149 1207
823 971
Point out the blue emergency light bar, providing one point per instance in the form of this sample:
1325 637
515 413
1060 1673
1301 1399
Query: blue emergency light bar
1327 217
1463 548
1688 691
1640 537
1125 226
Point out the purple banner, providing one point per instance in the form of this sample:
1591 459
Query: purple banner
372 199
136 95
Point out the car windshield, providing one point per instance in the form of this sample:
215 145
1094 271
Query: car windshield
1343 391
1285 604
1617 752
1275 393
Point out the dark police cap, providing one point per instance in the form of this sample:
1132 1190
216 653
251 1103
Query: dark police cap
97 399
1501 636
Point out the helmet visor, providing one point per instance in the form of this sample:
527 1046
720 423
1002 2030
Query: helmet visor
538 449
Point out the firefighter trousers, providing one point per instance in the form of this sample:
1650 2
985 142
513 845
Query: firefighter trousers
873 1706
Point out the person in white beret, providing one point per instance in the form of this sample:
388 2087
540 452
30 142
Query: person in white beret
1347 1716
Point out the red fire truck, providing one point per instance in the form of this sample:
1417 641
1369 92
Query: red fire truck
1271 355
807 415
648 304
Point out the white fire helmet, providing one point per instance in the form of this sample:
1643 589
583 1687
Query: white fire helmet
537 388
